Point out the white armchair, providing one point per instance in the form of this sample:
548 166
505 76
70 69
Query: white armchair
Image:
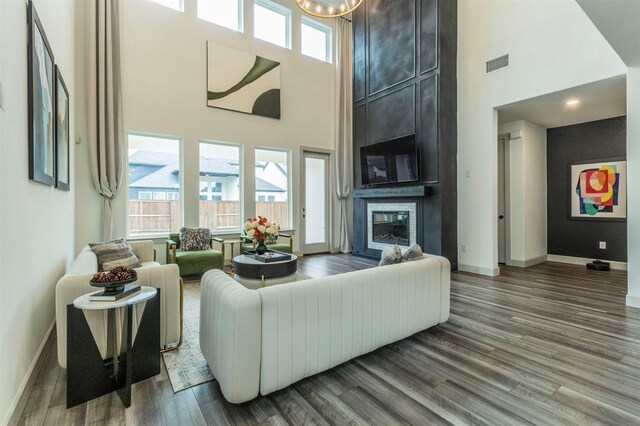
166 278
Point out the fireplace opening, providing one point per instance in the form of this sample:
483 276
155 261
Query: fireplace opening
391 227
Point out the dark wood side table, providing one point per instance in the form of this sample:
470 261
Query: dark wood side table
88 374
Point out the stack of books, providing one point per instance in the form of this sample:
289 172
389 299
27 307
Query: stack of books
104 296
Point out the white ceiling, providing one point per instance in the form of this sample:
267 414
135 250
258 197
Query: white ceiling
598 100
618 22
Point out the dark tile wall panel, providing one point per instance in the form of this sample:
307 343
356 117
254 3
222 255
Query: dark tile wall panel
359 140
428 137
391 42
392 116
359 54
428 35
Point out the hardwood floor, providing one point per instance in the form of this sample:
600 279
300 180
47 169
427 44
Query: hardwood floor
550 344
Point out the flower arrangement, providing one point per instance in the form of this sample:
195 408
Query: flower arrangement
260 229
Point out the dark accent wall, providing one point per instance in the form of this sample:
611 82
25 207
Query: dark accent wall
405 83
586 142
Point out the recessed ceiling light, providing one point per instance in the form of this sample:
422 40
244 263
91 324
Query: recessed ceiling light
573 101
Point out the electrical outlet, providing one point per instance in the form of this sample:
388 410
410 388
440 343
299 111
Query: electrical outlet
603 245
467 174
463 248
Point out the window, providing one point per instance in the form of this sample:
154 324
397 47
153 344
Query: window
272 185
154 176
227 13
220 186
173 4
316 40
272 23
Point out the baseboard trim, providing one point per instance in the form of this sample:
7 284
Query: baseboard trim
633 301
583 261
20 400
491 272
527 263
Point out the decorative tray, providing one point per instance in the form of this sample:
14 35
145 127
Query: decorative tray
269 256
113 283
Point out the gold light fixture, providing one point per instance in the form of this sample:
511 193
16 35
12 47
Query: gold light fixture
328 8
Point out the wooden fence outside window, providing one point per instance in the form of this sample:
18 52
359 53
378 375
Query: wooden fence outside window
159 216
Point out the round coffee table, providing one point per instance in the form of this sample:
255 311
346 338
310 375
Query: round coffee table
247 267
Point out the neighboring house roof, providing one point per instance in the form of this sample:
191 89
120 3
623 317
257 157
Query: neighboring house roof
153 158
214 167
264 186
166 177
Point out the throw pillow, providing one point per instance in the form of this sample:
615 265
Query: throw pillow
390 255
115 253
195 239
412 253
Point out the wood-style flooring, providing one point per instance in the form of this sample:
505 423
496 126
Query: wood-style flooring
550 344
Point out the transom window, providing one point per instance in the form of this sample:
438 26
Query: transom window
272 23
227 13
316 40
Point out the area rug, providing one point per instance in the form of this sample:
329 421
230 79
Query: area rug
187 366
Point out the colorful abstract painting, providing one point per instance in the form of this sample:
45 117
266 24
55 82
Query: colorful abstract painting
599 190
240 81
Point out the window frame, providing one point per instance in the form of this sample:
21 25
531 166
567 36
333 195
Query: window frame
279 9
289 153
327 30
240 23
180 140
241 183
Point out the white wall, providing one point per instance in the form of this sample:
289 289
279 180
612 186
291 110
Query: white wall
633 194
552 46
527 192
36 221
164 73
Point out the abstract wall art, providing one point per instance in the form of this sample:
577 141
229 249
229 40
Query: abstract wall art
599 190
41 103
243 82
62 133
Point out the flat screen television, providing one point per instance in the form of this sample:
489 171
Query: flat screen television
392 161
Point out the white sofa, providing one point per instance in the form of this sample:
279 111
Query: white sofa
75 283
266 339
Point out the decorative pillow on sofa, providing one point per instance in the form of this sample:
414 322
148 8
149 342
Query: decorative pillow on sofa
115 253
390 255
195 239
412 253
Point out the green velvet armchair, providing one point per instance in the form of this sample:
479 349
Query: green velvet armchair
195 262
249 245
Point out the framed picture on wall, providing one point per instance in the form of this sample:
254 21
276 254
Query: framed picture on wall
62 133
41 83
598 190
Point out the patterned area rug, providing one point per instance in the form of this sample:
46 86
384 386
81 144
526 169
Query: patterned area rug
187 366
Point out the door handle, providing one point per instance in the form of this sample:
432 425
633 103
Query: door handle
501 216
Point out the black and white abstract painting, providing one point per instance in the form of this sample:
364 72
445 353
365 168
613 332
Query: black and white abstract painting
240 81
41 103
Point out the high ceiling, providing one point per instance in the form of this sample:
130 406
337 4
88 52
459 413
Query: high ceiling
618 22
597 101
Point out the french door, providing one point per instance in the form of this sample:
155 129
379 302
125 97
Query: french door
315 206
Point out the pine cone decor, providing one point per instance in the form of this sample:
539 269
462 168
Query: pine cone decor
117 274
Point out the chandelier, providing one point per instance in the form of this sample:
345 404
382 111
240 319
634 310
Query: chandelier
328 8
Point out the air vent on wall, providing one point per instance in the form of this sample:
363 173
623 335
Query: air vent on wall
497 63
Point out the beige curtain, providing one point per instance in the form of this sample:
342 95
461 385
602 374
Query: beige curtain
343 123
106 135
